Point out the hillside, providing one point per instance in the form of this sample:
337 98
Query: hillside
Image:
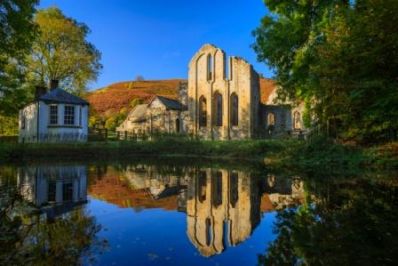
113 98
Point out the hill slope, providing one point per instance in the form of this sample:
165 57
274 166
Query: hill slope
113 98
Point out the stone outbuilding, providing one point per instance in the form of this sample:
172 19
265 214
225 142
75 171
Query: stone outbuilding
54 116
159 115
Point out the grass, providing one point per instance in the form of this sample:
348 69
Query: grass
319 154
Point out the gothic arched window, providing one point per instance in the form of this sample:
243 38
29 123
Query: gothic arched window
202 112
217 109
217 189
234 103
210 67
296 120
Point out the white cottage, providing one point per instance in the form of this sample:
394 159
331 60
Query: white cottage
54 116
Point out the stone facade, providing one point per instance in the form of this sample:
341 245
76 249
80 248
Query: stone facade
160 115
223 95
224 99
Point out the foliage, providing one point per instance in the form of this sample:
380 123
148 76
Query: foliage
354 226
61 51
28 239
9 125
338 56
17 31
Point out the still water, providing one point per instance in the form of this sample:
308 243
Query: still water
167 213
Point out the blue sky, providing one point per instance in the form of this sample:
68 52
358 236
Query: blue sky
157 38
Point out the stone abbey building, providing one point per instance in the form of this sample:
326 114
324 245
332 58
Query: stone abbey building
224 98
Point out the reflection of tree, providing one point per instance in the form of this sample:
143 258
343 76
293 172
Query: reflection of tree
33 240
352 223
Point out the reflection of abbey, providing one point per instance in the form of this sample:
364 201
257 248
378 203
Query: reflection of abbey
224 98
223 207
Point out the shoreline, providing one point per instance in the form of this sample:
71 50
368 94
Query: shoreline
313 156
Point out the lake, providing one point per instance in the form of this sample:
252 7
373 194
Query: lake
172 212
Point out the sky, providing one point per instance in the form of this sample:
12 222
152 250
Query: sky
157 38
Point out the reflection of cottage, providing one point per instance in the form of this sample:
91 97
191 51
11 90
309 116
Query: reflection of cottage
54 116
161 114
60 187
222 209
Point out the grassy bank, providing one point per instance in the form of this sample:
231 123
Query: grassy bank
244 150
317 155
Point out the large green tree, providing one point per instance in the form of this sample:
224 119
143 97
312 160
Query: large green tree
340 57
61 51
17 31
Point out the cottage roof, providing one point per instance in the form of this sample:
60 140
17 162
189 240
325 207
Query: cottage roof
60 96
138 113
169 103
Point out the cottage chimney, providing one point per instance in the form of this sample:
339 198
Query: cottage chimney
54 84
39 91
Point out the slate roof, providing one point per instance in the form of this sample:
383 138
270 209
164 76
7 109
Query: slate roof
170 103
60 96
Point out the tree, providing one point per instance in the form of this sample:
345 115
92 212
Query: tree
62 52
17 31
139 78
338 56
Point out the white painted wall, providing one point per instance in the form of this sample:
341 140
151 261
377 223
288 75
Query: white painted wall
44 132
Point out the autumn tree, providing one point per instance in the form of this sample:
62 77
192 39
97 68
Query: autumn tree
61 51
17 31
340 57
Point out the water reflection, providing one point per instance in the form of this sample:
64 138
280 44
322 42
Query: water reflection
54 189
223 207
42 218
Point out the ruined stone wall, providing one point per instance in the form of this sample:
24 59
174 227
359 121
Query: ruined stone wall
228 76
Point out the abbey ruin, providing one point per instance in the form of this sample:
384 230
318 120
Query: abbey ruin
224 98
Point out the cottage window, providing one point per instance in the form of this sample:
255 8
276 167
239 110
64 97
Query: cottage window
234 109
53 114
80 116
217 109
202 112
209 67
51 191
69 115
67 192
271 119
296 120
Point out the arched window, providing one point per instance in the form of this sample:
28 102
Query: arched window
210 68
217 109
233 190
271 119
177 125
208 232
202 182
202 112
234 109
217 189
296 120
